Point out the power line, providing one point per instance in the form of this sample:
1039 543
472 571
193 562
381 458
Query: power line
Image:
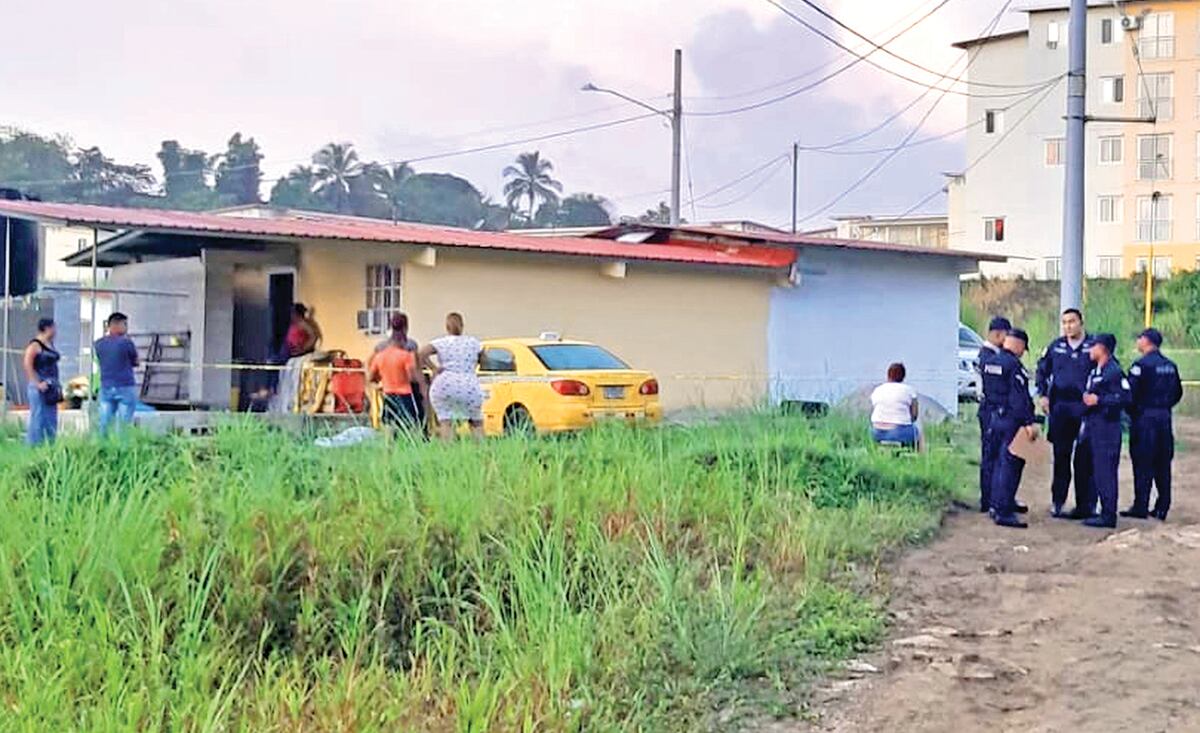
829 16
982 156
748 174
774 171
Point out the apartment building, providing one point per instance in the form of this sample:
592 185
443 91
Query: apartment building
923 230
1142 179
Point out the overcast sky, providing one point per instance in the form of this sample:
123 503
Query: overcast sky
411 78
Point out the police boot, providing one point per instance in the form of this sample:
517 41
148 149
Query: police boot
1100 522
1020 508
1077 514
1159 514
1010 520
1135 513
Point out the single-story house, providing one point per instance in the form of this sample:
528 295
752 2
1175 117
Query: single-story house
725 318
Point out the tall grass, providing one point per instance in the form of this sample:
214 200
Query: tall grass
621 580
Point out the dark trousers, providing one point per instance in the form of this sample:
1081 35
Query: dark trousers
1100 449
400 411
1152 448
1007 468
1064 434
987 458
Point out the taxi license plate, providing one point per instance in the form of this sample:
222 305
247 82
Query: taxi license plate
614 393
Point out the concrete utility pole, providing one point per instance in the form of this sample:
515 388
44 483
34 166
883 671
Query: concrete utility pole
7 304
675 116
1074 205
795 181
676 137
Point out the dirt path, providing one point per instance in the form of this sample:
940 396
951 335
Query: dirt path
1055 628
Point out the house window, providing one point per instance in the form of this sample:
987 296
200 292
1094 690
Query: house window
1055 151
1106 31
1154 157
1110 267
1153 218
1156 96
993 229
1110 209
1112 150
1054 34
382 298
993 121
83 244
1157 38
1113 88
1052 268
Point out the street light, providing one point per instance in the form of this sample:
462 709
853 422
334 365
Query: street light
675 115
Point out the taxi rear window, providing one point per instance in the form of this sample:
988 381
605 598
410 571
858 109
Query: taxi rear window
573 357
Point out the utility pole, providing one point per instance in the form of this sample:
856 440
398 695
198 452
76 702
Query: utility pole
8 395
1071 295
795 181
676 137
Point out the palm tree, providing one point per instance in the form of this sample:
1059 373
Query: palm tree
336 164
531 179
390 182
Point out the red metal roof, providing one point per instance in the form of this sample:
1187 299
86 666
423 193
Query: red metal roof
351 229
798 240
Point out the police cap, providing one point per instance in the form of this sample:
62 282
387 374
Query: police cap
1019 334
1108 340
1000 323
1153 335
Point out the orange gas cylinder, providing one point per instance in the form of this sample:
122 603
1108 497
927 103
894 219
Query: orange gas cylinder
349 388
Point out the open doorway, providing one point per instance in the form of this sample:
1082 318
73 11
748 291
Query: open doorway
281 291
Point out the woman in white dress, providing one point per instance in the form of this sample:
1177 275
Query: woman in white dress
455 393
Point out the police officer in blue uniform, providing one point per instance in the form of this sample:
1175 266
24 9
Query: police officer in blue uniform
997 330
1156 387
1105 397
1009 386
1062 375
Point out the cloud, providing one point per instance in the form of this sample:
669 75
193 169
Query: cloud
406 78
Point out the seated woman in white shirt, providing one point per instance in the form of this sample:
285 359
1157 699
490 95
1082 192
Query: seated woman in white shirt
894 411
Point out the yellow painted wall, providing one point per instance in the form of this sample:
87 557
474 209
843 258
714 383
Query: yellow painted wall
1184 184
680 322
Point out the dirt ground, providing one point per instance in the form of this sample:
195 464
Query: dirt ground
1055 628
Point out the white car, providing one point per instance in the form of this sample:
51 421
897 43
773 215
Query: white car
970 383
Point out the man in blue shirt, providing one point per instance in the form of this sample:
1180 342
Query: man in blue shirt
117 357
997 330
1062 375
1009 388
1154 381
1105 397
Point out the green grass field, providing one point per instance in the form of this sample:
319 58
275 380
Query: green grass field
672 579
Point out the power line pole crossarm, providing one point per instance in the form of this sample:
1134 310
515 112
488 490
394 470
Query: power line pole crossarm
1071 295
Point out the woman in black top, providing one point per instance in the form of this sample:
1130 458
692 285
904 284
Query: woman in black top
44 390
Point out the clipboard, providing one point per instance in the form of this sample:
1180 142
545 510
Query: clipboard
1035 451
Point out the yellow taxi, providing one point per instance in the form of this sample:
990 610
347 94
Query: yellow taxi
553 385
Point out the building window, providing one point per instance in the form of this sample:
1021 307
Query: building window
1054 34
1113 88
1052 268
1110 267
1157 38
1153 218
382 298
1154 157
993 229
993 122
1162 267
1056 148
1156 96
1110 209
1106 31
1112 150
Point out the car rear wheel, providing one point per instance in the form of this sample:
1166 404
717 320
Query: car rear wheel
517 421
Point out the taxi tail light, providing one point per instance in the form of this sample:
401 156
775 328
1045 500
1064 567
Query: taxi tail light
649 387
570 388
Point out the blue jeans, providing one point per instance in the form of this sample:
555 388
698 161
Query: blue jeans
905 435
43 418
118 402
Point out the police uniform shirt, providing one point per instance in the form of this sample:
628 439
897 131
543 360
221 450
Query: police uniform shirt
1006 387
1108 383
1155 384
1062 372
